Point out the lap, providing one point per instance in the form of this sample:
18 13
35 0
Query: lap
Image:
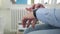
39 27
51 31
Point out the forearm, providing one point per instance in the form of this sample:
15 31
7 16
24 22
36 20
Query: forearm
48 16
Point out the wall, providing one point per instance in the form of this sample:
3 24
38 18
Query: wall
5 14
0 2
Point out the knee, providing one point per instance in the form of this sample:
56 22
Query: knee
30 29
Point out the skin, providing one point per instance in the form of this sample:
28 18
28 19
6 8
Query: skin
29 18
35 6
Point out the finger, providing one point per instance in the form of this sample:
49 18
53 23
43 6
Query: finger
29 9
33 23
28 24
24 22
33 6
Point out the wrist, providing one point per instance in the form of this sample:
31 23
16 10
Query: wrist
34 13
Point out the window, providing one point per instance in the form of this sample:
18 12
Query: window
36 1
42 1
19 1
28 2
58 1
45 1
49 1
22 1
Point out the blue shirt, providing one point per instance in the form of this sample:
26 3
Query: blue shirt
49 16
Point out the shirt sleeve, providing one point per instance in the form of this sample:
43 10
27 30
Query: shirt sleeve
47 16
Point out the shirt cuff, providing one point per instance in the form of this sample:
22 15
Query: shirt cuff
34 13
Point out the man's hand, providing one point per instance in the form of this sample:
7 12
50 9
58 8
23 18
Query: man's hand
35 6
29 19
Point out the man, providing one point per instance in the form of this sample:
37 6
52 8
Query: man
50 17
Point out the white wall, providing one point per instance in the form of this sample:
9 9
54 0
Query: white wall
6 3
0 2
5 14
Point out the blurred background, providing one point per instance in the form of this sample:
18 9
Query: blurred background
12 11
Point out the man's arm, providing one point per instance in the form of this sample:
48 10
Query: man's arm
48 16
